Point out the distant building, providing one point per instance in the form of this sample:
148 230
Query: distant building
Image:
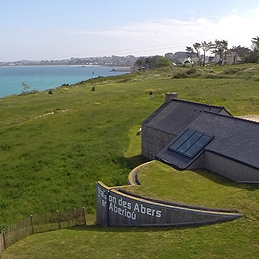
187 61
231 58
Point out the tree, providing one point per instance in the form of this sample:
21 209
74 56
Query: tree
220 48
254 56
205 46
150 63
241 52
163 62
189 52
255 44
140 63
26 87
197 47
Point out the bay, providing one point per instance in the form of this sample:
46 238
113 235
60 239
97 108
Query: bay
47 77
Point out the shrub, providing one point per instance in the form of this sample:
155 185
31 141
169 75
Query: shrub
231 71
191 71
179 75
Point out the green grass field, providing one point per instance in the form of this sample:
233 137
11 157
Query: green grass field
53 148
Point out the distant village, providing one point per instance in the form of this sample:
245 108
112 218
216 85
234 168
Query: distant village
112 61
124 62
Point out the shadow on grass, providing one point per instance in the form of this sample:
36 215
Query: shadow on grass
97 228
93 227
137 160
225 181
130 163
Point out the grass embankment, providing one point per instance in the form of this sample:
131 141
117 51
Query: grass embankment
55 147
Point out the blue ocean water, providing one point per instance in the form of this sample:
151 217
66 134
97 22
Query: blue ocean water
46 77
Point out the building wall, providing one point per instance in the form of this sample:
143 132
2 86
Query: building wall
231 169
198 163
153 141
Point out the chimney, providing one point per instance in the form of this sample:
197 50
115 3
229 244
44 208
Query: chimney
170 96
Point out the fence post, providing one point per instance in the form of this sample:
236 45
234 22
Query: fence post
32 227
4 240
58 219
2 245
84 212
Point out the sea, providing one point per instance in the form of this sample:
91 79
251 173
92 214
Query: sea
12 78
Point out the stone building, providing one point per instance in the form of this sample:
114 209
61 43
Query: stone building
189 135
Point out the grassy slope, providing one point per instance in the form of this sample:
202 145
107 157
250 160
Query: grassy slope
57 158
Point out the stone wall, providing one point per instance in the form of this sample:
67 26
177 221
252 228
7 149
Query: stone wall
153 141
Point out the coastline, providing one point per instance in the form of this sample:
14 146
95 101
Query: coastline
121 69
45 77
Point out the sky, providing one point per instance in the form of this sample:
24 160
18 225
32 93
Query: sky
61 29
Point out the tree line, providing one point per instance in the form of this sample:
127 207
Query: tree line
220 48
200 49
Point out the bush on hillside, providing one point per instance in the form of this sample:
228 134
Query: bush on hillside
179 75
151 63
231 70
191 71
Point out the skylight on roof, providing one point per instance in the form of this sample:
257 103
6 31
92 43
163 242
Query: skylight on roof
190 143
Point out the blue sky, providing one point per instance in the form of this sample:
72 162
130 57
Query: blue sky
56 29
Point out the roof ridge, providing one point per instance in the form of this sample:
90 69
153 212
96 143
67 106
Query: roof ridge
204 104
231 117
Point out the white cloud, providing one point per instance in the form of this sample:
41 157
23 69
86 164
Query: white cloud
174 35
235 11
239 29
236 29
255 11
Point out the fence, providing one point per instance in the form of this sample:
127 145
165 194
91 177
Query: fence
41 223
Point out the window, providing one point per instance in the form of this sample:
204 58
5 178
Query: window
190 143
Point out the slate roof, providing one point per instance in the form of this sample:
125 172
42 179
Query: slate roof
235 138
176 115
